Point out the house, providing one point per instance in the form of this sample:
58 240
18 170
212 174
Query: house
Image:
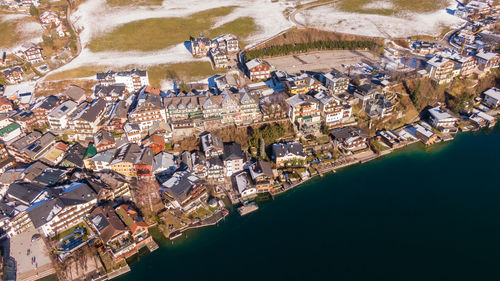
125 158
211 145
466 65
185 191
243 184
336 81
164 162
74 157
112 232
302 84
5 105
59 117
101 161
148 109
155 142
135 223
262 176
491 97
274 106
55 154
215 168
228 42
85 121
6 161
440 69
31 146
201 45
144 163
487 60
111 93
133 80
442 120
482 119
219 57
104 140
110 186
65 209
288 154
333 110
32 52
50 177
13 75
75 94
132 132
26 119
351 139
304 111
379 106
232 158
10 132
258 69
50 18
366 92
424 134
390 138
42 108
117 116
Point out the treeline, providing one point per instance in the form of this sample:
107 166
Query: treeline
288 49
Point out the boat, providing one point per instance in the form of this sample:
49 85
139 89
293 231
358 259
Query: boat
248 208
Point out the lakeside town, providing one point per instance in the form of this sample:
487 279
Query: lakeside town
90 175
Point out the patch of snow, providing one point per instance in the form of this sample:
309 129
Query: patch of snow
379 5
401 25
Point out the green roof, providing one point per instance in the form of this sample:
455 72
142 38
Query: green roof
9 129
91 151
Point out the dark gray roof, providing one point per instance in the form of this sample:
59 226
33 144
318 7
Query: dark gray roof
75 155
49 102
261 168
74 92
25 192
110 90
347 132
74 194
232 151
180 185
103 135
92 111
34 170
50 176
127 153
282 149
146 156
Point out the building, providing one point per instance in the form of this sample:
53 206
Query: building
104 140
59 117
112 232
487 60
390 138
31 146
211 145
133 79
333 110
482 119
262 176
164 162
10 132
133 132
73 157
124 160
111 93
65 209
491 97
5 105
232 158
336 81
101 161
50 18
288 154
219 57
258 69
85 122
33 53
243 185
350 139
442 120
135 223
424 134
228 42
440 69
185 191
75 94
302 84
379 106
148 109
42 108
304 111
144 163
13 75
201 45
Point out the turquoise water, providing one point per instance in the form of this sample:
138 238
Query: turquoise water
418 214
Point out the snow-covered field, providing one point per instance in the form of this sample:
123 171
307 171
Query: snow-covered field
404 24
29 30
94 17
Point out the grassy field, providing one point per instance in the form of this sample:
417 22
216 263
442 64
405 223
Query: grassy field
421 6
115 3
159 33
84 71
188 71
11 32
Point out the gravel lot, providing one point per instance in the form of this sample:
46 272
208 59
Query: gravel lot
322 61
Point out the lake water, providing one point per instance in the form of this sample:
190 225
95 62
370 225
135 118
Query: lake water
417 214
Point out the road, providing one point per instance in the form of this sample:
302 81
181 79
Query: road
292 15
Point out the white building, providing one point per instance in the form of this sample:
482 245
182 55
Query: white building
492 97
59 117
442 120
